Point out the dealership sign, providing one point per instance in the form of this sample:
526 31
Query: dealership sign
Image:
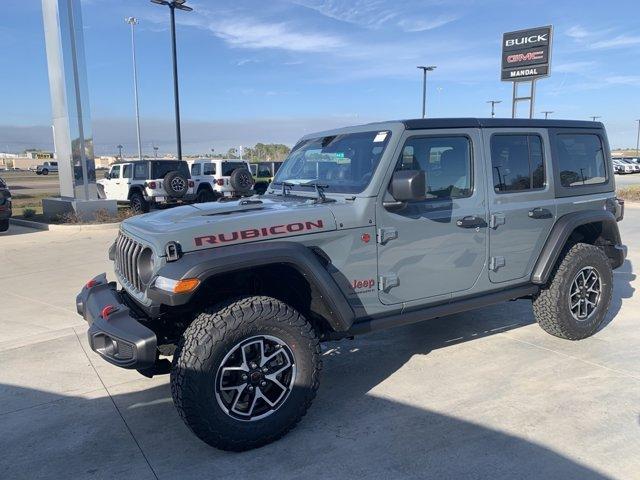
526 54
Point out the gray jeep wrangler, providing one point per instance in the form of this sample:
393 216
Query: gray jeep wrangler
362 228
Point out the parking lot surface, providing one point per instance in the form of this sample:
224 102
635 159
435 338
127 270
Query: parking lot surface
485 394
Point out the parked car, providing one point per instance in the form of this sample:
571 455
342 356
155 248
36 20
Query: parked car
634 166
362 228
5 206
144 183
218 178
263 173
46 168
621 167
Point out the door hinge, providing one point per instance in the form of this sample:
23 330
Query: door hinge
387 282
496 220
385 234
496 262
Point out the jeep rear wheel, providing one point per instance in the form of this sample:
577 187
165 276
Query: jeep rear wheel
205 195
138 203
245 372
575 301
4 225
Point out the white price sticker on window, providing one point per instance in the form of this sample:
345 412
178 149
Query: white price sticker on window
380 137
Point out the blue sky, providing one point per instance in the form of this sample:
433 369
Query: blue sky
274 70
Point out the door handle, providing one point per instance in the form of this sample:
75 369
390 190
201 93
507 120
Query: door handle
471 221
540 212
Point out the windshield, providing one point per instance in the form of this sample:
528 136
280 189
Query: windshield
344 163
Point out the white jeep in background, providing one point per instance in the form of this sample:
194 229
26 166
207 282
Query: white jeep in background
46 168
218 178
143 183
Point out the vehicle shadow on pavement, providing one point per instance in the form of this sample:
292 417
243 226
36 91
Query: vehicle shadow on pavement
356 428
15 230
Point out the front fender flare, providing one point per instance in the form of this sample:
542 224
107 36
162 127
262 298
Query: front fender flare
214 261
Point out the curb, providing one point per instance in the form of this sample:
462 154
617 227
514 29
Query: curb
74 227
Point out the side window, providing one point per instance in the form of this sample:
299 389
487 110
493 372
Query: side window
141 171
580 159
115 172
195 169
209 169
446 162
517 163
127 171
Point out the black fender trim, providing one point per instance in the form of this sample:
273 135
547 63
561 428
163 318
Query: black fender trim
560 233
211 262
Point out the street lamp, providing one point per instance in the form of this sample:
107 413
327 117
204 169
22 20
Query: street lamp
179 4
638 139
155 151
493 105
212 150
547 113
133 21
119 147
595 117
430 68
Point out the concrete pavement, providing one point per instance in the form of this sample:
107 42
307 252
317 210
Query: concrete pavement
485 394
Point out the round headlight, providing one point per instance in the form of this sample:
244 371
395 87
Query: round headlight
145 265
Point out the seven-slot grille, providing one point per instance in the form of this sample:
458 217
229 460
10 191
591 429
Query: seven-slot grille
126 261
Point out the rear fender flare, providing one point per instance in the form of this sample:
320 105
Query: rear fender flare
561 232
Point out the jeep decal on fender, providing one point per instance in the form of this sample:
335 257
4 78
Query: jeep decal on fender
252 233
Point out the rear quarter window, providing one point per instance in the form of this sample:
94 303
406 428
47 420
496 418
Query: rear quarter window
581 159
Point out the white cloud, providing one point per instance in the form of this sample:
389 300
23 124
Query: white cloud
578 32
254 34
632 80
418 25
617 42
573 67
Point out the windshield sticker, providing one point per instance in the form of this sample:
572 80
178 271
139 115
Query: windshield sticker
380 137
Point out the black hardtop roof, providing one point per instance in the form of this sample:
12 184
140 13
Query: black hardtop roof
137 160
427 123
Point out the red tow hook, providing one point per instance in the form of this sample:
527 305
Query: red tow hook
91 283
108 310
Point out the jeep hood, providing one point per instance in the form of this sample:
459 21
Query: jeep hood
211 225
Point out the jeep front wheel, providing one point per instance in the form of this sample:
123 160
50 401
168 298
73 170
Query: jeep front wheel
245 372
575 301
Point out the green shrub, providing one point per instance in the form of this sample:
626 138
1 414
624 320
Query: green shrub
28 213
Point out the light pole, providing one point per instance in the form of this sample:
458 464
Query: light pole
119 147
493 105
638 139
212 150
179 4
133 21
595 117
430 68
547 113
155 151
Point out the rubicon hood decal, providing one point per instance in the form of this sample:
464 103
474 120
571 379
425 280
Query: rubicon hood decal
263 232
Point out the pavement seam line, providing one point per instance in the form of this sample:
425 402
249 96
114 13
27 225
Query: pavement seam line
117 409
66 310
588 362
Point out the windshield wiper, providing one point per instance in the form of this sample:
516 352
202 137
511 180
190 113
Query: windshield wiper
319 187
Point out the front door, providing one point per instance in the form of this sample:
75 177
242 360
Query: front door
112 185
435 247
521 201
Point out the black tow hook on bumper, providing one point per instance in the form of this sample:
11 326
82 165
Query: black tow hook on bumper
114 333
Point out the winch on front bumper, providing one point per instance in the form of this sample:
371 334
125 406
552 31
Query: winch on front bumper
114 333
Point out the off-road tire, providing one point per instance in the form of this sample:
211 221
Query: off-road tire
172 180
138 204
45 171
4 225
551 304
241 180
215 332
206 195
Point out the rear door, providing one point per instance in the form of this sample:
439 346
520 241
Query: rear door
112 185
522 207
435 247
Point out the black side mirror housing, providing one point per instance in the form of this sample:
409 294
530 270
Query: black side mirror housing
409 185
106 175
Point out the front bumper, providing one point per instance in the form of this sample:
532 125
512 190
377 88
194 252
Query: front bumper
119 338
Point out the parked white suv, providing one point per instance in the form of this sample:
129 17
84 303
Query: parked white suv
143 183
217 178
46 168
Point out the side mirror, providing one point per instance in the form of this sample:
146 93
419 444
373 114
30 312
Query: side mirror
106 175
408 186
